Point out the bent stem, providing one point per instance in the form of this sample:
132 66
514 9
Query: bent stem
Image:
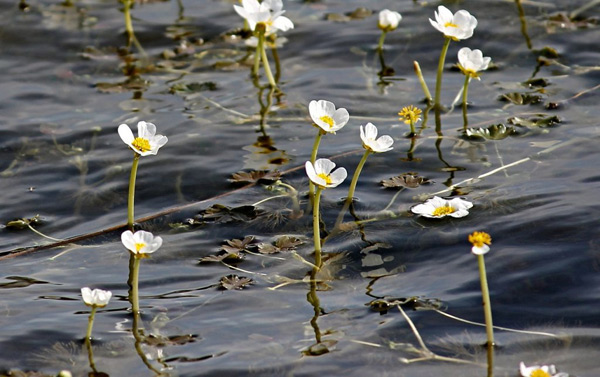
438 80
352 188
131 196
489 327
316 227
424 86
263 54
381 40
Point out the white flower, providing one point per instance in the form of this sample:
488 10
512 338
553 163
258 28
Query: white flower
540 371
456 26
368 136
324 114
147 142
389 20
140 242
95 298
472 61
437 207
321 173
269 13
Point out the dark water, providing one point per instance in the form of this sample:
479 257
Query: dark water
64 92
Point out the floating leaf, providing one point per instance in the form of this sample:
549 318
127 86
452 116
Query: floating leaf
174 340
24 223
408 180
231 282
193 87
547 52
255 176
537 121
383 304
236 246
493 132
230 257
521 98
283 244
537 83
320 348
220 214
20 282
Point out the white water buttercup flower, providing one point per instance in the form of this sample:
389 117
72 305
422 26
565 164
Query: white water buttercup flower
540 371
95 298
456 26
471 62
368 135
141 242
437 208
322 174
480 242
268 13
389 20
147 142
325 115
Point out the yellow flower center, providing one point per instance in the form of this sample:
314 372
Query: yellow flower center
539 373
480 238
327 119
139 246
325 177
410 114
141 144
450 24
443 211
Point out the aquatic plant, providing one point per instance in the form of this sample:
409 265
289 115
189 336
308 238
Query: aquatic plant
322 175
480 242
470 63
146 143
96 298
455 27
410 115
540 371
388 21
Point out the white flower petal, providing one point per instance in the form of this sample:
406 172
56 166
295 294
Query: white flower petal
324 166
337 177
283 23
126 134
128 240
480 250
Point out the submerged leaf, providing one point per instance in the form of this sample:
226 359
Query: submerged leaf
231 282
236 245
408 180
255 176
220 214
517 98
193 87
231 257
283 244
174 340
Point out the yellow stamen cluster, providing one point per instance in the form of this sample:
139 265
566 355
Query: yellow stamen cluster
478 239
468 72
139 246
327 119
443 211
450 24
325 177
410 114
141 144
539 373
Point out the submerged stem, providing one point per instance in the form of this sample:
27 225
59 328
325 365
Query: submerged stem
317 227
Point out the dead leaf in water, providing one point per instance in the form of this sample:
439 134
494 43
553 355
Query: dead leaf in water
231 282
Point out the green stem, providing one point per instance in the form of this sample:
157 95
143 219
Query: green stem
134 277
317 227
313 299
356 175
381 40
88 334
255 67
487 309
131 197
424 86
128 24
466 89
263 54
88 345
313 158
438 81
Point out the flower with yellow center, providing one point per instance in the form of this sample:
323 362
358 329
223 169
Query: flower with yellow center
437 208
480 241
267 14
141 242
471 62
322 174
325 115
456 26
540 371
410 114
95 298
147 142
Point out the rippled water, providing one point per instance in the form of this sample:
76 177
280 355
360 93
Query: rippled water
65 91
